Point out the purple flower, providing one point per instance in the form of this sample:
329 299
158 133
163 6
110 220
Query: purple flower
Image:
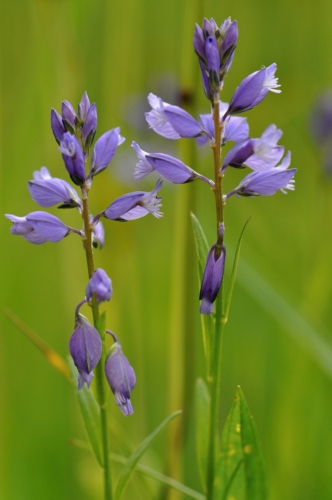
121 377
73 157
215 49
212 279
98 235
236 128
39 227
57 125
267 182
169 167
134 205
85 347
69 116
104 150
89 127
48 191
258 154
253 89
100 285
158 120
83 107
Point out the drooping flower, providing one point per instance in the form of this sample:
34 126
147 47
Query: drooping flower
100 285
73 158
85 347
253 89
39 227
48 191
134 205
121 376
212 278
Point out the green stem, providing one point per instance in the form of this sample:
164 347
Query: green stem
219 324
100 380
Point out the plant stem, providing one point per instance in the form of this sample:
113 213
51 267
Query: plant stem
100 380
218 331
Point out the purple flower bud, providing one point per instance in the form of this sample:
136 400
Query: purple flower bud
39 227
83 107
85 347
228 45
69 116
212 56
89 127
134 205
98 235
212 279
104 150
73 157
121 377
57 126
169 167
268 182
205 81
99 284
48 191
253 89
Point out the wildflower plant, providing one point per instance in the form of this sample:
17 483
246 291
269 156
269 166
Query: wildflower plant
233 465
215 49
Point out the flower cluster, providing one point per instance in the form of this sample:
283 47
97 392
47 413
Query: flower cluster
215 48
74 133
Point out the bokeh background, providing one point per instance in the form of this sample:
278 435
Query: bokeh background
278 341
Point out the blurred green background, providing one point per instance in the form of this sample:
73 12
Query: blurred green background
277 341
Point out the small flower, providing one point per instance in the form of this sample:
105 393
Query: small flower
267 182
258 154
48 191
100 285
83 107
253 89
85 347
73 157
215 49
39 227
236 128
57 126
134 205
157 119
89 127
98 235
104 150
212 278
121 377
69 116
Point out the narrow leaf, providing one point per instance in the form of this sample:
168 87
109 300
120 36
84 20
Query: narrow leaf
131 463
202 249
202 428
233 275
91 415
241 471
55 360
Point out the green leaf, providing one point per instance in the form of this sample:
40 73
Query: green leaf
241 471
130 465
54 359
202 428
158 476
233 275
202 249
91 415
